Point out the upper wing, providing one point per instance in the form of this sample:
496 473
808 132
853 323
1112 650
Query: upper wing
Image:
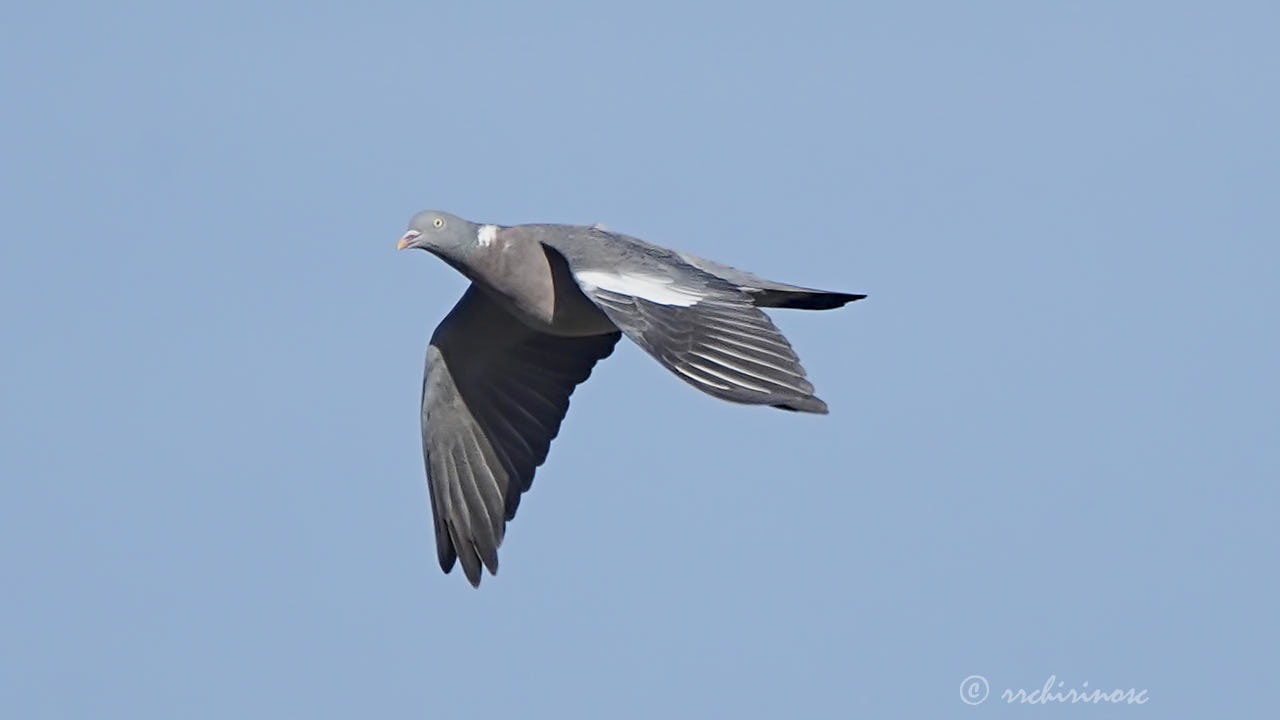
493 397
706 331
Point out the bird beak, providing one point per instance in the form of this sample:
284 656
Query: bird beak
407 239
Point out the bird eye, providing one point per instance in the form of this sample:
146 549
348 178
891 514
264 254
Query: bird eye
438 222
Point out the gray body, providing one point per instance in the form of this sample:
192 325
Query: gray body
546 303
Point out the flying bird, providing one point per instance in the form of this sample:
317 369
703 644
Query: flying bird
545 304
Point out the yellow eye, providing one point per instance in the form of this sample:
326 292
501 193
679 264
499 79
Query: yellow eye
438 222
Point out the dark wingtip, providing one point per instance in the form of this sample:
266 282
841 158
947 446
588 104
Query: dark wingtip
475 570
816 300
841 299
473 573
809 404
447 567
446 556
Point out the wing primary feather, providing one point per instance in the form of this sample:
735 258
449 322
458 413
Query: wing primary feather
687 372
446 554
485 467
728 356
735 381
739 340
460 525
484 523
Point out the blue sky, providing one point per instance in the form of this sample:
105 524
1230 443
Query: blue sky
1052 448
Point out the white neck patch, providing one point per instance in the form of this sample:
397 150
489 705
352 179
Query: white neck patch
654 289
486 234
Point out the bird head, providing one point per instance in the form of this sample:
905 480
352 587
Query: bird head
437 231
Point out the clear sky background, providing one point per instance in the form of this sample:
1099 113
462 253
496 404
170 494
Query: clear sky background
1052 448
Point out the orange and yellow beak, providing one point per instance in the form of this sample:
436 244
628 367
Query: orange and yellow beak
407 239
